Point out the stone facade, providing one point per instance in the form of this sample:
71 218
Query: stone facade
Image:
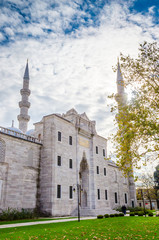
19 166
63 160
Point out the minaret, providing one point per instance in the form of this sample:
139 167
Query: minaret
24 105
121 98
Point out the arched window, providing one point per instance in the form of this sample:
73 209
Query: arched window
2 150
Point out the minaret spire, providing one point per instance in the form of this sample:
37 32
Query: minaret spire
24 105
121 99
121 95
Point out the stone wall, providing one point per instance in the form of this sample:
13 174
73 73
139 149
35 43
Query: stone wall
18 172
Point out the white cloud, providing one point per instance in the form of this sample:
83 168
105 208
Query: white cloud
68 70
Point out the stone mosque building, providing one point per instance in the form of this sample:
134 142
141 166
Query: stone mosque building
62 159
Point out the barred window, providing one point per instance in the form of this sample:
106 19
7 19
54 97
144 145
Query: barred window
2 150
106 195
98 193
116 197
70 192
96 150
126 200
59 136
70 163
70 140
58 160
58 191
103 152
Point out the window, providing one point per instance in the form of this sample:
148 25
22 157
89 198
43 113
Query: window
105 172
116 198
58 160
96 150
70 140
70 163
58 191
103 152
140 204
59 136
70 192
97 169
98 192
126 200
106 196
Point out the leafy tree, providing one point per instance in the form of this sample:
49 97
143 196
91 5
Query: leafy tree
137 136
146 190
156 187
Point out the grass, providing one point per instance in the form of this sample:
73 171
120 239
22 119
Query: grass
101 229
31 220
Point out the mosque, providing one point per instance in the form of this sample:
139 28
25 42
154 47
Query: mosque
60 165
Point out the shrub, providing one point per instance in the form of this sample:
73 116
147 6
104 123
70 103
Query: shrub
116 214
100 216
132 214
14 214
121 214
151 214
140 213
106 215
111 215
136 213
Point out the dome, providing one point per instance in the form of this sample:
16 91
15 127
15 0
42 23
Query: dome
30 132
15 129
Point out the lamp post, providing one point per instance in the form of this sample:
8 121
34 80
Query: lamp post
78 198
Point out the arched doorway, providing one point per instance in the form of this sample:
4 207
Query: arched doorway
84 180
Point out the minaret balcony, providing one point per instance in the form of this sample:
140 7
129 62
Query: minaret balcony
24 104
25 91
23 117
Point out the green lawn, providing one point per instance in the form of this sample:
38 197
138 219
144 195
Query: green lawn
110 228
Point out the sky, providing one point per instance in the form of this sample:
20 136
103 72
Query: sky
71 46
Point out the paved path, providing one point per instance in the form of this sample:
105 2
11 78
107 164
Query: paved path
43 222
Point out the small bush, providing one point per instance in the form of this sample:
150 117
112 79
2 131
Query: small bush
116 215
14 214
121 214
106 215
132 214
150 214
100 216
140 213
111 215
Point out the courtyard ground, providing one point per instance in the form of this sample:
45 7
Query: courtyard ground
101 229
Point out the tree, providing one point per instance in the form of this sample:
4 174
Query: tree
146 191
137 136
156 187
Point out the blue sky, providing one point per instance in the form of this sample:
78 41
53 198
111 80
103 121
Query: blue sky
71 46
